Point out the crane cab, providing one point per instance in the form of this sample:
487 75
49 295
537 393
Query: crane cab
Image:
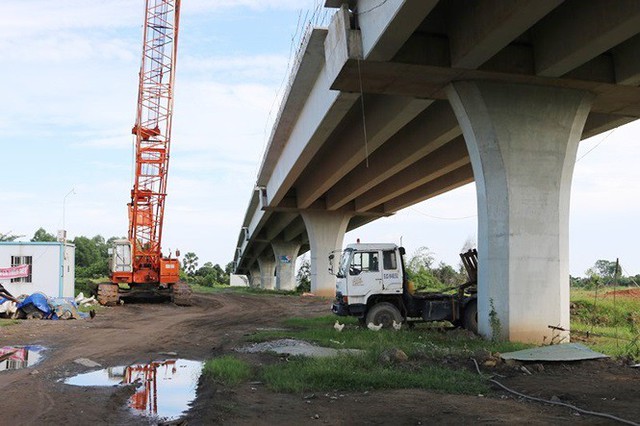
120 261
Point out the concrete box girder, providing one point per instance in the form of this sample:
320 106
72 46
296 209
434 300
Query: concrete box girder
385 115
480 29
427 132
449 157
626 59
452 180
386 26
578 31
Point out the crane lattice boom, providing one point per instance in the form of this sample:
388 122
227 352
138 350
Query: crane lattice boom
153 133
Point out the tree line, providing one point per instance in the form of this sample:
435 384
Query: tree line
92 260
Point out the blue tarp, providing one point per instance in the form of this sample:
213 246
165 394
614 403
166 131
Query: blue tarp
38 301
51 307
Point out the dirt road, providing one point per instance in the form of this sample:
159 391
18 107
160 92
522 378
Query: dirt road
215 325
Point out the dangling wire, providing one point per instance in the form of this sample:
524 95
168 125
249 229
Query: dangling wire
364 119
596 145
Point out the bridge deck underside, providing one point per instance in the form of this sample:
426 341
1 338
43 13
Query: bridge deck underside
383 72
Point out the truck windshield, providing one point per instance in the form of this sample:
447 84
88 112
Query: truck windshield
344 263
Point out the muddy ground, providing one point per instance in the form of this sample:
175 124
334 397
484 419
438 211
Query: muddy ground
218 323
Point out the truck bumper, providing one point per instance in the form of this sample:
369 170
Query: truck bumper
342 309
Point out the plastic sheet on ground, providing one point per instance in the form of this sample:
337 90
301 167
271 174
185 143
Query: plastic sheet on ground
7 307
50 307
562 352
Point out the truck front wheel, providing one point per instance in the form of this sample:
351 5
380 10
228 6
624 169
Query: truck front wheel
384 313
470 316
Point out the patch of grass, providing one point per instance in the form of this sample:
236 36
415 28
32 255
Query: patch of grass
228 370
425 345
8 322
352 372
424 340
87 308
606 325
242 290
214 289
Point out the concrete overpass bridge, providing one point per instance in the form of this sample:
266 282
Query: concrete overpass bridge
398 101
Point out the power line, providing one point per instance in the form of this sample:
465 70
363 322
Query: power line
596 145
443 218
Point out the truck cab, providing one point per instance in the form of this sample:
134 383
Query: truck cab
372 285
366 271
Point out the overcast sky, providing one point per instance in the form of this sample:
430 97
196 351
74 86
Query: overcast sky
69 72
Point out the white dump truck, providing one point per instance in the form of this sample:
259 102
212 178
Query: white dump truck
372 284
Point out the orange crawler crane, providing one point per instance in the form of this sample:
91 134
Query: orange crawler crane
138 268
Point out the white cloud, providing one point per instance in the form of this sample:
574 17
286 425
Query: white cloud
238 68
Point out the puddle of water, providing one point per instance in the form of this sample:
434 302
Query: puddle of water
17 357
164 388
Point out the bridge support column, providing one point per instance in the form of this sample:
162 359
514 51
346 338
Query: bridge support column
286 255
326 232
522 141
254 276
267 272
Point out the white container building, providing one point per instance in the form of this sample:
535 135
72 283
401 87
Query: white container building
52 267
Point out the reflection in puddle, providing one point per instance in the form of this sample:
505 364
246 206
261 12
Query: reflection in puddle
164 388
17 357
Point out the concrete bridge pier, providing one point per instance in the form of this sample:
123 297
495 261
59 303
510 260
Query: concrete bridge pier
326 231
522 140
267 272
286 254
254 276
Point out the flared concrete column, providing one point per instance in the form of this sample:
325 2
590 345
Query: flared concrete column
286 254
254 276
326 232
522 141
267 272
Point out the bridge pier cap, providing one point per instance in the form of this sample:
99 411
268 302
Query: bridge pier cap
522 141
326 231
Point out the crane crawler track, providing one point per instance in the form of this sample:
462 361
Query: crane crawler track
181 294
107 294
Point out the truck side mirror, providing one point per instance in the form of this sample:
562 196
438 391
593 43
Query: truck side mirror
177 252
331 257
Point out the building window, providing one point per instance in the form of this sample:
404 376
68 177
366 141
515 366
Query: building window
22 260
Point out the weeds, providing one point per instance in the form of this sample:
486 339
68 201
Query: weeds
352 373
8 322
608 325
426 345
219 288
228 370
494 322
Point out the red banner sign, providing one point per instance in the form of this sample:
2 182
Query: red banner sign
14 272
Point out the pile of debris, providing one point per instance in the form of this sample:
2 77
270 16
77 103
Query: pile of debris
40 306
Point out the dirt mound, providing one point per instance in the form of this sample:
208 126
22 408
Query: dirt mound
631 293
